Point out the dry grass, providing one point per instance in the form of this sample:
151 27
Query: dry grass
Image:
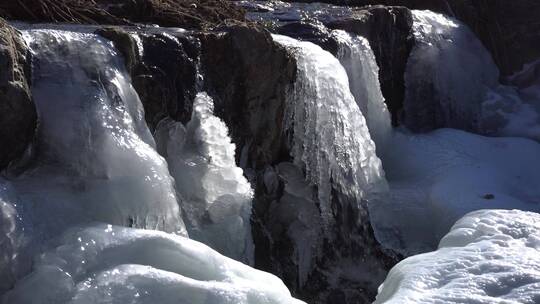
180 13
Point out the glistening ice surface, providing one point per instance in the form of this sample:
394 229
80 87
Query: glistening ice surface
111 264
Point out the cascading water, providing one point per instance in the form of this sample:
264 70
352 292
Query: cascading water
216 196
330 138
356 56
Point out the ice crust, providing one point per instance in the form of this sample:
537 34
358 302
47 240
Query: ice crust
489 256
111 264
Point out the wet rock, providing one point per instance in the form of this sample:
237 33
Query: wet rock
18 117
249 76
314 32
163 68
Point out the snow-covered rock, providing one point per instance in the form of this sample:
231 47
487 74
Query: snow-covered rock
489 256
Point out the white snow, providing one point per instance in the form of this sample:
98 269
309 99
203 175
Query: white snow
330 138
489 256
111 264
216 197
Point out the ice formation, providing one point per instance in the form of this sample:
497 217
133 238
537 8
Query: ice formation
111 264
357 58
489 256
448 74
330 138
94 151
94 160
452 81
216 197
438 177
94 157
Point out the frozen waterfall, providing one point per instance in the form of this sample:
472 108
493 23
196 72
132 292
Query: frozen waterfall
356 56
216 197
452 81
330 137
448 74
94 158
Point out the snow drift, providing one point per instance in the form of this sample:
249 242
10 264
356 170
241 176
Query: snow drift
489 256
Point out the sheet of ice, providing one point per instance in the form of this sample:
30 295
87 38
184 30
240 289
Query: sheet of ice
438 177
448 74
356 56
111 264
329 134
93 158
216 197
489 256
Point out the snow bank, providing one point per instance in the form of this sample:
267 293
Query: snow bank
111 264
489 256
216 197
437 178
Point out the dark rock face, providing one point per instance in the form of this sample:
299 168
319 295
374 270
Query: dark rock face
164 72
389 31
18 116
249 77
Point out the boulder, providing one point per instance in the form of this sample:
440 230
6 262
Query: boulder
18 117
